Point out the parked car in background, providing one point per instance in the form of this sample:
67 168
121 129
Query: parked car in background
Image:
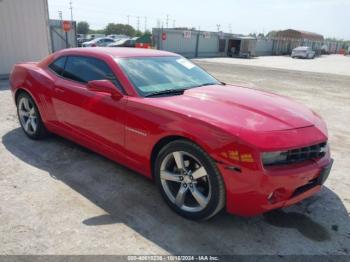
81 40
93 36
101 41
208 145
124 43
303 52
118 37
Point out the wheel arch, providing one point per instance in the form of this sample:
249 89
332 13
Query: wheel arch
163 142
21 90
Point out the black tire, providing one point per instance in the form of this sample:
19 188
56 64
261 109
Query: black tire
216 200
40 132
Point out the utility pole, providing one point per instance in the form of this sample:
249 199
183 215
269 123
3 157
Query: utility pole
138 23
128 16
174 23
71 10
60 15
145 23
218 27
167 21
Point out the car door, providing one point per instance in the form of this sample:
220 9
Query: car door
94 117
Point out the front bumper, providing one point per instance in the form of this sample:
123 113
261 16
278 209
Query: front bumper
250 193
302 55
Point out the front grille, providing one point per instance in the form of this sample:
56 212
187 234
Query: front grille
304 153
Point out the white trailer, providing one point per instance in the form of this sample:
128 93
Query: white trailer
24 32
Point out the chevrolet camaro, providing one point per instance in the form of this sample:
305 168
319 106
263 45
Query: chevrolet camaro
206 144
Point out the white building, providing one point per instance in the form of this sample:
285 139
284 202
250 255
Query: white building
24 32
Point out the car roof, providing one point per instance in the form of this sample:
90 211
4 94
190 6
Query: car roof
116 52
99 38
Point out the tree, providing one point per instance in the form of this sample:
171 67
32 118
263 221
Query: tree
272 33
97 31
83 28
138 33
119 29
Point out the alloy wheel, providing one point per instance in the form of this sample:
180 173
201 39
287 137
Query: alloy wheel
185 181
28 115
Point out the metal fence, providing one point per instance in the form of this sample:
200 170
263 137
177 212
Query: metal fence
194 43
61 39
264 47
189 43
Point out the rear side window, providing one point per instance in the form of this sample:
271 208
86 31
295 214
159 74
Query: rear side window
85 69
58 65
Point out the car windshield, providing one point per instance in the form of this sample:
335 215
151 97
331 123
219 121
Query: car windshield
301 48
164 74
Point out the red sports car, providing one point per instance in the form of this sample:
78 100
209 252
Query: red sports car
207 144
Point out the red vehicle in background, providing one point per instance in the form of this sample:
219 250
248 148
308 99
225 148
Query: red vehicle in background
208 145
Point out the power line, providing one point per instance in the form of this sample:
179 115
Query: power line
71 10
88 11
167 21
60 15
145 23
138 23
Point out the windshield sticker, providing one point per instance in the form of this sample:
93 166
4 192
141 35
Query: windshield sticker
185 63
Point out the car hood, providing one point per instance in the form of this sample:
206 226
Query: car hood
240 108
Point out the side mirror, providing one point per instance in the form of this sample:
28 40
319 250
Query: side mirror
105 86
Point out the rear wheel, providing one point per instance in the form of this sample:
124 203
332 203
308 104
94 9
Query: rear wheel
29 117
189 180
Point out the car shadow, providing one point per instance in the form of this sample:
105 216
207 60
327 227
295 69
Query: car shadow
129 198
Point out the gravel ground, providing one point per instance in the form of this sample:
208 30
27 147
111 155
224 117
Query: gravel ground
59 198
328 64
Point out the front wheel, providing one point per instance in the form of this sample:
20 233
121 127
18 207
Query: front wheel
29 117
189 180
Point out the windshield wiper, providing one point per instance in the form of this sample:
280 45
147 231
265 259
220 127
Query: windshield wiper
166 92
207 84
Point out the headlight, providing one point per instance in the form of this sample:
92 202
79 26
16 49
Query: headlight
270 158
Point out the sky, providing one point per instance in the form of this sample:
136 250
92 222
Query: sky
327 17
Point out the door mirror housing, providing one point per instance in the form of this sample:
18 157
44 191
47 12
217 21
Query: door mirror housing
105 86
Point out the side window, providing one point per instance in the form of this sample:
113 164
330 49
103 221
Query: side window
85 69
58 65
